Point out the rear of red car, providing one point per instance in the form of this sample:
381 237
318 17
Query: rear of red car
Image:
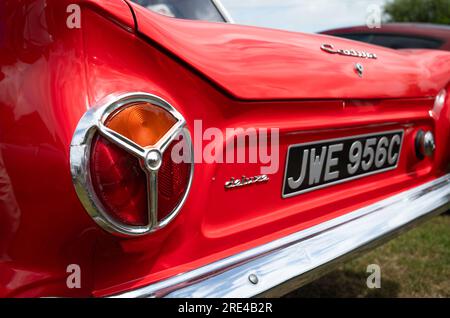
349 151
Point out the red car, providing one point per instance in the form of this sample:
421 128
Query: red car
143 155
399 35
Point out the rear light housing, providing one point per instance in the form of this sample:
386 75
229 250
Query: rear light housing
122 165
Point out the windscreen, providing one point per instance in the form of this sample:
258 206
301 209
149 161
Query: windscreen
184 9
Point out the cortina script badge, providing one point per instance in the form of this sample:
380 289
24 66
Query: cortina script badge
329 48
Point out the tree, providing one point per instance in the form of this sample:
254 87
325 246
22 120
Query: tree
429 11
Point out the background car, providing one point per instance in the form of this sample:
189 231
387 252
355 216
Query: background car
399 35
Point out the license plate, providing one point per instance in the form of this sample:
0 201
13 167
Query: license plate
319 164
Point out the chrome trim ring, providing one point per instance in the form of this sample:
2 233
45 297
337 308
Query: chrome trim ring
91 123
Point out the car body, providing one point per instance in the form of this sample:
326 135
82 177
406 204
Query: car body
399 35
61 88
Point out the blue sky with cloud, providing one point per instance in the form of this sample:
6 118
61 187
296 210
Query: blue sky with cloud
301 15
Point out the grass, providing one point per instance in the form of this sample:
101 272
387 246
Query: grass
415 264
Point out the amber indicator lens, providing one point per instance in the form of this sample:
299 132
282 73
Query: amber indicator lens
143 123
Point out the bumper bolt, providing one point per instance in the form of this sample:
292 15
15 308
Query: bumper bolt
253 279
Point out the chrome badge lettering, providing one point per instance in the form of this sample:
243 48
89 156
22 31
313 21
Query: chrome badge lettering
244 181
329 48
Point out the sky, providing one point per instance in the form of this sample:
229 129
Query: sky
303 15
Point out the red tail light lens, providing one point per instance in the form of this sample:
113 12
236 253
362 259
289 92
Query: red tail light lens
173 180
119 182
126 177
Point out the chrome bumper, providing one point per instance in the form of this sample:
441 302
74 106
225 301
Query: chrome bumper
301 257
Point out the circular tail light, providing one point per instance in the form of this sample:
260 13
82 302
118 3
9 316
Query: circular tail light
122 164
